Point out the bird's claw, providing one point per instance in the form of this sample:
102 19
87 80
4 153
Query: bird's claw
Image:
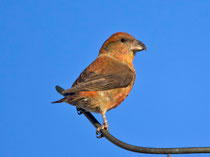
79 111
98 130
99 134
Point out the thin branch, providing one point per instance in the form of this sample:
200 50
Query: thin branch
138 149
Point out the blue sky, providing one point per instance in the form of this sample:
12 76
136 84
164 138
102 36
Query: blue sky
48 43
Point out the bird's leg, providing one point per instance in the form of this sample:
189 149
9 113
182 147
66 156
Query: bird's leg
104 126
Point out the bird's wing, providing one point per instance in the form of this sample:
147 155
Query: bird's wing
103 74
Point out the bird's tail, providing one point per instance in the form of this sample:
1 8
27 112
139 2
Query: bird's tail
59 101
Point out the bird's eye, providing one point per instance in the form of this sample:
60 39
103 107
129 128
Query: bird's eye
123 40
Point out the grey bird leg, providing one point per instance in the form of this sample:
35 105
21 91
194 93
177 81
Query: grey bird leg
104 126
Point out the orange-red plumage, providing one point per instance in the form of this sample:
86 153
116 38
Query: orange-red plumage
108 80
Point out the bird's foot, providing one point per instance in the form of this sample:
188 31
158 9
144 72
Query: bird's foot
98 130
80 111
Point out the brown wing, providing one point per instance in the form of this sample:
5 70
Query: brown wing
103 74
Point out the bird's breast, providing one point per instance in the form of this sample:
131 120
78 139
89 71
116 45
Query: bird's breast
112 98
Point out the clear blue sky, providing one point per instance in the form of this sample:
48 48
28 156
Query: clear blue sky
48 43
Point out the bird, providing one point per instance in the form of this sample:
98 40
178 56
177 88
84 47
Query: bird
108 80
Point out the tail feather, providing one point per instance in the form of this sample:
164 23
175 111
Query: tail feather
59 101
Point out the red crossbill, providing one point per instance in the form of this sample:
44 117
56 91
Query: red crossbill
108 80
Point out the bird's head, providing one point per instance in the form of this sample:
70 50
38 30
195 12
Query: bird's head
122 46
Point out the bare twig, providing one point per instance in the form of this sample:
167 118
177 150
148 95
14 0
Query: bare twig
138 149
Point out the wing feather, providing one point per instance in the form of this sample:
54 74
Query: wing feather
101 75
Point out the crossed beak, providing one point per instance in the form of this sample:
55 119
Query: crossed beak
138 46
